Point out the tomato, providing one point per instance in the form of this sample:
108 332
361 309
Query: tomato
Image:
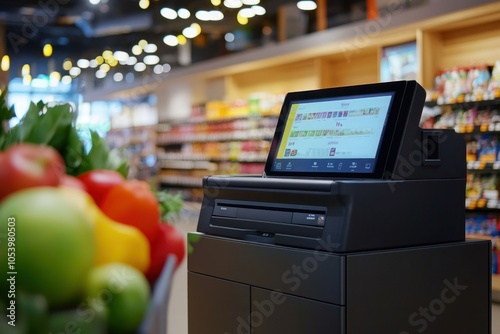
132 202
29 165
168 241
99 181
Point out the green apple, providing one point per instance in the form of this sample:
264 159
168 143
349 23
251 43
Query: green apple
46 245
123 291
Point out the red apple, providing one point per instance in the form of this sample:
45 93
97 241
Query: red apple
28 165
98 182
168 241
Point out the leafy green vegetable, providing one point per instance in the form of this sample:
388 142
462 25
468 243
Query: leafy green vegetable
170 204
54 125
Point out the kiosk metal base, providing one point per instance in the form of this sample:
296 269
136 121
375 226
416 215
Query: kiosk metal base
237 287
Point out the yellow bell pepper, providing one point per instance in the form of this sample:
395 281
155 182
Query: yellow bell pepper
115 242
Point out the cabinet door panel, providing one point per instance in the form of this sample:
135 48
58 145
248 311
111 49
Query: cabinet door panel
275 312
216 305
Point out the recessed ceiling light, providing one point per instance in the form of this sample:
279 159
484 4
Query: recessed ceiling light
307 5
66 80
118 77
216 15
170 40
137 50
67 64
5 63
158 69
258 10
151 60
168 13
183 13
75 71
83 63
121 55
233 3
131 60
99 74
139 67
150 48
202 15
247 12
94 2
250 2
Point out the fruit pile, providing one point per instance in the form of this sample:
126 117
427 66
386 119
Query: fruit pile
81 247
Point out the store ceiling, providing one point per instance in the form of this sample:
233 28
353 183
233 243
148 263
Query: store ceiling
80 29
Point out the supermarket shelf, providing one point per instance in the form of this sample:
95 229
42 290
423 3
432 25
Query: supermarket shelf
483 167
253 134
181 181
466 104
204 120
242 157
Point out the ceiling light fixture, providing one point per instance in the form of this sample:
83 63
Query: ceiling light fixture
158 69
216 15
233 3
75 71
131 60
183 13
241 20
66 80
118 77
121 55
47 50
166 68
137 50
100 74
250 2
142 43
258 10
94 2
246 12
168 13
150 48
215 2
144 4
25 70
140 67
181 39
306 5
151 60
170 40
105 68
5 64
93 63
67 64
27 80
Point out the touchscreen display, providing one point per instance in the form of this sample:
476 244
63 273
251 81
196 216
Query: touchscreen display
333 135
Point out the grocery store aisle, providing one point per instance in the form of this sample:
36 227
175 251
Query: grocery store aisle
177 313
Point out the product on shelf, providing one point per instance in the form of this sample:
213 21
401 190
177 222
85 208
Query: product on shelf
463 84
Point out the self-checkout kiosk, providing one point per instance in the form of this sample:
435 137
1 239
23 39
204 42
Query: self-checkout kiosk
355 227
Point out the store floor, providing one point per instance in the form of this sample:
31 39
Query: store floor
177 313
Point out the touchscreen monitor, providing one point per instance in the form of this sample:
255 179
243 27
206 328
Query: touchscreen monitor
341 132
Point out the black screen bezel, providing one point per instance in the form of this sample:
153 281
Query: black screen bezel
397 88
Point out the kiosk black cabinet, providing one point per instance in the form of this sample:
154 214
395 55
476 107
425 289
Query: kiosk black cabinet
356 226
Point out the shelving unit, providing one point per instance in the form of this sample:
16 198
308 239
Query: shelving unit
138 144
192 148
